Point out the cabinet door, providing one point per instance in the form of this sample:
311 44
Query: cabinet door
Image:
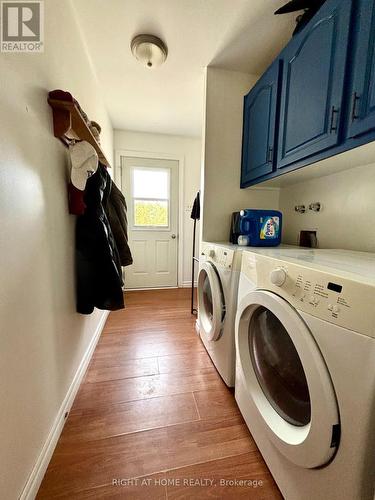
259 127
362 110
313 84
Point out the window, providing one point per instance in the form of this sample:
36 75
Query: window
151 192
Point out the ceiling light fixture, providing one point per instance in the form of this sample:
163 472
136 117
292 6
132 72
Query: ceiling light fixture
149 50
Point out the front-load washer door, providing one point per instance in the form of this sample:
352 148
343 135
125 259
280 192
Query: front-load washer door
286 377
211 306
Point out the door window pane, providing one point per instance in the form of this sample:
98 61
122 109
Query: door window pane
278 368
151 213
150 192
151 183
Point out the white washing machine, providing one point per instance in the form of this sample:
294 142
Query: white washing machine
305 369
219 271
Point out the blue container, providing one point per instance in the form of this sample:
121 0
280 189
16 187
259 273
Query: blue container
262 227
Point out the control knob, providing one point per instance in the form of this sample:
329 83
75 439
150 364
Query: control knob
211 253
278 276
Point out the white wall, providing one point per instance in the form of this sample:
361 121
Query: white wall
348 208
189 148
224 93
42 338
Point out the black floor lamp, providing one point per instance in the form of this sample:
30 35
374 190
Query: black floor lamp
195 215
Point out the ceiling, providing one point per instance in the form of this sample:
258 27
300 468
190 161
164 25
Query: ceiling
239 35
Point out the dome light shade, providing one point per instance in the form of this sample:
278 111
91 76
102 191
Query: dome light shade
149 50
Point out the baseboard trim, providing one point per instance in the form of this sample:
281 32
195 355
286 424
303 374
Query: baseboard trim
150 288
187 284
184 284
33 483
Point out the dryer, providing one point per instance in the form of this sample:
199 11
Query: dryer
219 270
305 368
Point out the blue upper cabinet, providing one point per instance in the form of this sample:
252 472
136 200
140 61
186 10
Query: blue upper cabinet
362 104
258 143
314 65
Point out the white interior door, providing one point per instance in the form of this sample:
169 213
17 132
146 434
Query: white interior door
151 190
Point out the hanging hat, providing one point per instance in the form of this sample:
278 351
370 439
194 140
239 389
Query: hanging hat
84 161
95 130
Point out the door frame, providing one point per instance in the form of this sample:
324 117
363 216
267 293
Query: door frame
119 153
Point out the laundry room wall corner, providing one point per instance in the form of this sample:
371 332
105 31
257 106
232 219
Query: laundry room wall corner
347 200
223 112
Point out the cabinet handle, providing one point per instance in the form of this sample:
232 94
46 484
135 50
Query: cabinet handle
356 99
270 155
334 123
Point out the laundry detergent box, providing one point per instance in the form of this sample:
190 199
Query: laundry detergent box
261 228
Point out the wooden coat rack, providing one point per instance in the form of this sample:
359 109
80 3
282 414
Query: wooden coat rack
69 124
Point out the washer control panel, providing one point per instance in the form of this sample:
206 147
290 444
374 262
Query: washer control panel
218 255
345 302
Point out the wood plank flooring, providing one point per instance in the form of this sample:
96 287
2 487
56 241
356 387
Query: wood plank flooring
153 419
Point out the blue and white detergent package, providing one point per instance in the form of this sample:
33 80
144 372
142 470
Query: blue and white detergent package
262 227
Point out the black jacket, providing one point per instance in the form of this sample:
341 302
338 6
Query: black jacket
98 267
116 209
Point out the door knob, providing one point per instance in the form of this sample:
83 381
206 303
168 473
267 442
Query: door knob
173 236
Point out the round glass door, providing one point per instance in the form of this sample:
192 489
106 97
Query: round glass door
211 308
285 379
278 368
207 296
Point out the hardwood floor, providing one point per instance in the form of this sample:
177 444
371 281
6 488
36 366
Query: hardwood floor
153 419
